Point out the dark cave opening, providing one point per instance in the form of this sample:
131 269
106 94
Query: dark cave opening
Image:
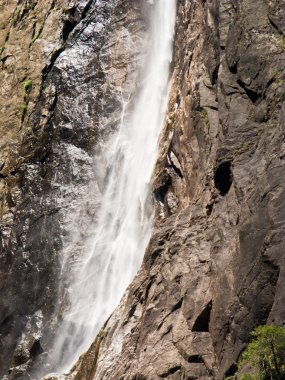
36 349
195 359
202 322
223 177
68 27
161 192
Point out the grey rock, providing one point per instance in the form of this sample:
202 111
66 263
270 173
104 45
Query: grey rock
214 268
77 110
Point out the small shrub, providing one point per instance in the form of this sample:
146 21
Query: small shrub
266 354
28 85
24 108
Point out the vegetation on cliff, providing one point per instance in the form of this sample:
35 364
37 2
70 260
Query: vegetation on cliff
266 353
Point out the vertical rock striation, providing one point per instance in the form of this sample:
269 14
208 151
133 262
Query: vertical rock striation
66 69
214 268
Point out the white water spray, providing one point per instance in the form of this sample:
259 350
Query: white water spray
124 221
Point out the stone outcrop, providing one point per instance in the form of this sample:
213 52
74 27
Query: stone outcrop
66 69
214 268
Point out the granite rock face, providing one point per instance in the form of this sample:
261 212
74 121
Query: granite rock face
66 68
214 268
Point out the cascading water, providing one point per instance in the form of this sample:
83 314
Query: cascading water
124 221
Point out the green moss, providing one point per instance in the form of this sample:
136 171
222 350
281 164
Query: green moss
282 42
242 149
28 85
248 376
279 78
37 35
15 17
24 110
24 107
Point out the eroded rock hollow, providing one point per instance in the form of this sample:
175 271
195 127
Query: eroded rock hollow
214 267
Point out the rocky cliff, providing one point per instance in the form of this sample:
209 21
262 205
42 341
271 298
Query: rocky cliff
66 68
214 268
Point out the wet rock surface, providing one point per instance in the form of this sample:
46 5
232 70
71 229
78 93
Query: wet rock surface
78 64
214 268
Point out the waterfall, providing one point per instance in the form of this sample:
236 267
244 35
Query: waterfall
124 220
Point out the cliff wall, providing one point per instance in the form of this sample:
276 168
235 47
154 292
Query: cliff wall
66 69
214 268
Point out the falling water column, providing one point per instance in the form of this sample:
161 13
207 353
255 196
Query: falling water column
123 226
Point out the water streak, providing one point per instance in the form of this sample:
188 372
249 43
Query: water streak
124 221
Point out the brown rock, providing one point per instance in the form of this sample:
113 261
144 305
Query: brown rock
214 266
